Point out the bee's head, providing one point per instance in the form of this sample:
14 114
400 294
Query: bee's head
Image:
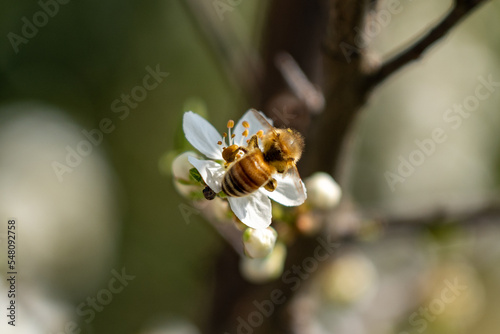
283 148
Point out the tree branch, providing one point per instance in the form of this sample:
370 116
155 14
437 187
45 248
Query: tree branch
460 10
344 88
298 27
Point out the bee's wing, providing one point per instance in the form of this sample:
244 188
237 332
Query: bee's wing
293 173
262 120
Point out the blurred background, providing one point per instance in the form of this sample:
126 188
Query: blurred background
123 73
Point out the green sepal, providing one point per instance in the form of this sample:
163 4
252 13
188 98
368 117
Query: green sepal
195 175
187 182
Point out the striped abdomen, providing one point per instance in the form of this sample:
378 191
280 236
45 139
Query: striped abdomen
246 175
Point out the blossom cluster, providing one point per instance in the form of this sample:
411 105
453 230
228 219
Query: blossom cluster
196 175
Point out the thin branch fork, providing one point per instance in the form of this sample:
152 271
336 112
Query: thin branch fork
348 84
415 50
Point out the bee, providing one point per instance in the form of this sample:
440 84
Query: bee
281 149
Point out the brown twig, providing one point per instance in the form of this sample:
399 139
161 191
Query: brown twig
298 82
348 82
416 48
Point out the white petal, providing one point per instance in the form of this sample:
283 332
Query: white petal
253 210
210 171
202 135
288 191
255 125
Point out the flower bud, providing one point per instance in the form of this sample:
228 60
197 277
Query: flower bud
322 191
180 170
181 165
265 269
259 243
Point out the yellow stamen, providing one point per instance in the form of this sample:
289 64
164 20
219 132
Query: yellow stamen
233 135
260 133
245 133
246 125
230 124
219 143
224 135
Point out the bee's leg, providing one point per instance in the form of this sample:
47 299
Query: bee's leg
253 142
209 193
229 153
271 185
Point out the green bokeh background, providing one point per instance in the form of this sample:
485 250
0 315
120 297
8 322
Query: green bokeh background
84 58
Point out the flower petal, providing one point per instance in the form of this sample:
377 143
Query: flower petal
253 210
210 171
255 125
288 191
202 135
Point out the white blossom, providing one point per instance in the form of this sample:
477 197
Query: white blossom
322 191
181 165
254 209
180 170
265 269
259 243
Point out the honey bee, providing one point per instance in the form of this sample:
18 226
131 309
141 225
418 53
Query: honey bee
246 173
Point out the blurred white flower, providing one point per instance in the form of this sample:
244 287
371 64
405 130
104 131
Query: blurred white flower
36 313
68 230
322 191
265 269
259 243
181 165
254 210
349 278
180 170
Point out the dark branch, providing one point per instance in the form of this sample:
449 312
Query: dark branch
485 214
343 87
415 50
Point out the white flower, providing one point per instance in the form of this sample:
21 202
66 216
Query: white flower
254 210
266 269
259 243
181 165
180 170
322 191
350 278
